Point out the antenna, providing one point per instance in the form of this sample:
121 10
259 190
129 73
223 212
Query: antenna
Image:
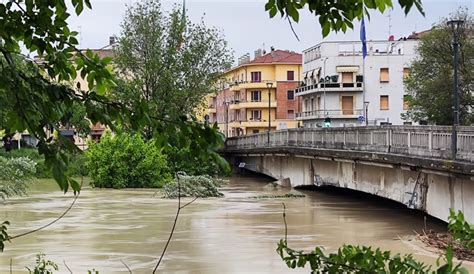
390 22
80 36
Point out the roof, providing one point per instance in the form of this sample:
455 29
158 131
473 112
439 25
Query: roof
278 56
418 35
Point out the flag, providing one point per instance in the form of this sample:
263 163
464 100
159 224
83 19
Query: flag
363 38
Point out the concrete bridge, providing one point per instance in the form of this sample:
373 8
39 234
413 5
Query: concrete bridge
412 165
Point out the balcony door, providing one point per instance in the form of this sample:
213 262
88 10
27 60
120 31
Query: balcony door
347 77
347 105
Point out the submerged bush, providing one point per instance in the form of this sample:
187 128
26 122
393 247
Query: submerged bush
15 175
201 186
126 161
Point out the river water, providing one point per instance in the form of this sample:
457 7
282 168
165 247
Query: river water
234 234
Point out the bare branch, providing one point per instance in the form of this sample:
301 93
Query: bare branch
128 268
195 198
64 262
173 228
292 29
52 222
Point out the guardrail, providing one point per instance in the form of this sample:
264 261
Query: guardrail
425 141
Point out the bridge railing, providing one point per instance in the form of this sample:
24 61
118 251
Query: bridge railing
426 141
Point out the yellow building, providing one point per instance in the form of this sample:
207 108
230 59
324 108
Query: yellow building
253 90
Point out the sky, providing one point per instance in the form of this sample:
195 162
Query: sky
246 25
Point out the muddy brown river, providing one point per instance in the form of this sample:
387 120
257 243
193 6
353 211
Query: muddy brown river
234 234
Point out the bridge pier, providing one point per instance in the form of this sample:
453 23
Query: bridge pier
430 191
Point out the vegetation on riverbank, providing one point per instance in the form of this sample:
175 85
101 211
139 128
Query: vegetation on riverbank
15 175
127 161
460 237
201 186
365 259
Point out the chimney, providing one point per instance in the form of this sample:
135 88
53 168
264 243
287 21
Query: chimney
111 40
258 53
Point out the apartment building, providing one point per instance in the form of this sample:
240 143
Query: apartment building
335 86
258 95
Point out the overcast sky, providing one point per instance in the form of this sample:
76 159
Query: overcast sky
247 26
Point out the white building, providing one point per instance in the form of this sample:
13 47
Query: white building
334 85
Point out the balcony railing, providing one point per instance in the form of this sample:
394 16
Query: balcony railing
329 87
332 113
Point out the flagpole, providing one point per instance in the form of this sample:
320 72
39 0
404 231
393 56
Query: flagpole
364 108
364 54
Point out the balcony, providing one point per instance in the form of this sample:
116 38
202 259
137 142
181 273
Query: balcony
237 86
330 87
252 104
261 123
333 114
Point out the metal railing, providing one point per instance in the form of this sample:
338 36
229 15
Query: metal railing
424 141
333 113
330 87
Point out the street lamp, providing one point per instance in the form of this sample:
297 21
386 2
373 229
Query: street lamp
324 87
269 86
226 109
455 27
366 108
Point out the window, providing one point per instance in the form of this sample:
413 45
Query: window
384 75
347 77
291 114
290 75
256 96
256 115
406 102
406 73
255 131
347 105
383 102
290 95
256 76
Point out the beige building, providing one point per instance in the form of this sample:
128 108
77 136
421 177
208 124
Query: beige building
258 95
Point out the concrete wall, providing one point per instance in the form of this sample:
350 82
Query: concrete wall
434 193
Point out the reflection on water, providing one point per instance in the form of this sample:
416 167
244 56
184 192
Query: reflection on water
235 234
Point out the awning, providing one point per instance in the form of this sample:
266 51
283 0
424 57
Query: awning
315 72
347 68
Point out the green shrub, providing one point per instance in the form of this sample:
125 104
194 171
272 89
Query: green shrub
77 162
461 229
202 186
126 161
15 176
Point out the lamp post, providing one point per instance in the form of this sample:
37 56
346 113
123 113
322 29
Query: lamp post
455 26
324 87
269 86
226 109
366 109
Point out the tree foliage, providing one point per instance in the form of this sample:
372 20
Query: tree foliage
127 161
335 15
36 99
167 62
430 84
461 230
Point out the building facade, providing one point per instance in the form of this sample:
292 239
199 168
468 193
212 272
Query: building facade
258 94
335 87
